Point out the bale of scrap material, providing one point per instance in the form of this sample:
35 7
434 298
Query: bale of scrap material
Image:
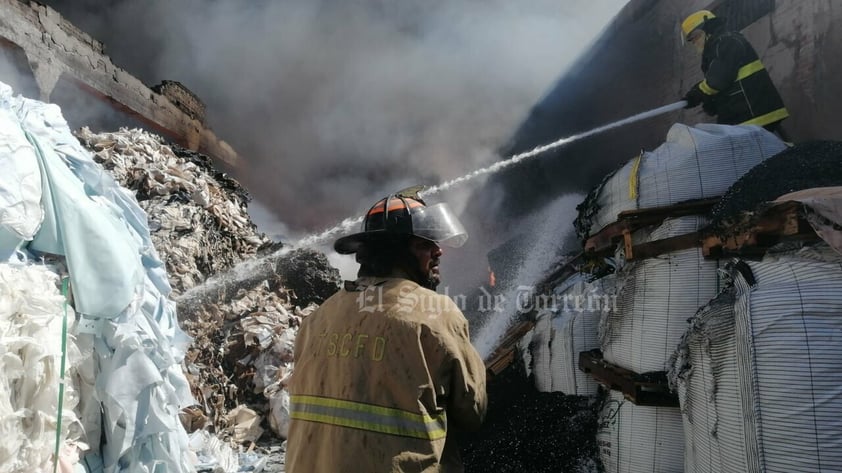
98 232
34 412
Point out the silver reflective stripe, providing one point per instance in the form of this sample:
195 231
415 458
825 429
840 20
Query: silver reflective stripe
369 417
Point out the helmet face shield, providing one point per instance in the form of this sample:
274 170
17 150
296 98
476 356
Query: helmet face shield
439 224
399 215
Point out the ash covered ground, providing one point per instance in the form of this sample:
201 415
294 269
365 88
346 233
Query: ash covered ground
527 431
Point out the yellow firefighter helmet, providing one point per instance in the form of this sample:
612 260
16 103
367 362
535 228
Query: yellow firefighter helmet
695 20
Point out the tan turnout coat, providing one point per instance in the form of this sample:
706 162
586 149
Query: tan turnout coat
382 371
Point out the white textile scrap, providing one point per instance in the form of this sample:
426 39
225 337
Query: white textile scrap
119 288
31 312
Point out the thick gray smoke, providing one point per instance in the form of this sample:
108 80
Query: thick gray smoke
333 103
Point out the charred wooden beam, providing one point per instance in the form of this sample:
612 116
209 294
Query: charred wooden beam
649 389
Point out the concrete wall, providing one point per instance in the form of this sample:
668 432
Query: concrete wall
183 98
55 49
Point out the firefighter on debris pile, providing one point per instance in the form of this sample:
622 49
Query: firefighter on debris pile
737 88
384 369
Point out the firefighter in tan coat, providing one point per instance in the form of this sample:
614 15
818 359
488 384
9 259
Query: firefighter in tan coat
384 369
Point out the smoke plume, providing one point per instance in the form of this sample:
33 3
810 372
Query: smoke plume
334 103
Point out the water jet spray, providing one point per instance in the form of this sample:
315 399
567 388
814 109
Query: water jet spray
263 267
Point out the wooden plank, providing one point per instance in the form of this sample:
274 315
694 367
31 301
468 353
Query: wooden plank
783 222
652 215
504 355
571 267
606 238
630 220
667 245
643 390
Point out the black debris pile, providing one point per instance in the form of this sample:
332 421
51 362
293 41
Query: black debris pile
803 166
309 275
530 431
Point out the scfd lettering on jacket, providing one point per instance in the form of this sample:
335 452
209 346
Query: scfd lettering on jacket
351 345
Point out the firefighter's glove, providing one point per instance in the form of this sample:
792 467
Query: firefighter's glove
693 97
709 107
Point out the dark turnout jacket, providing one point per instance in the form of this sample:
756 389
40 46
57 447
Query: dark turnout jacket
383 370
737 87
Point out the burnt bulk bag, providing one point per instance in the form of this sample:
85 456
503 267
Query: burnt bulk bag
758 371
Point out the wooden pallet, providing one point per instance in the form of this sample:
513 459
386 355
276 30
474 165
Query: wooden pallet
569 268
776 224
606 240
650 389
504 355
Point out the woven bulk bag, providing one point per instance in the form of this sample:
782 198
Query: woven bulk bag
655 298
635 439
540 348
693 163
758 373
575 325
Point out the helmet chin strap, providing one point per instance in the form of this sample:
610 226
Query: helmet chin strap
700 45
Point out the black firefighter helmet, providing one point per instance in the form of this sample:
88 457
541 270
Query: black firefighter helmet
404 213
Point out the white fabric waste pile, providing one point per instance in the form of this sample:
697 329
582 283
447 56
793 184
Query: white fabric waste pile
655 298
31 329
198 217
56 200
693 163
758 373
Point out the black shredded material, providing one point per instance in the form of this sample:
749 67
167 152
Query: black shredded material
530 431
802 166
589 208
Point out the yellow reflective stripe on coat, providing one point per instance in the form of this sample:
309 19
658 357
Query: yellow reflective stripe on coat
749 69
768 118
357 415
708 90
